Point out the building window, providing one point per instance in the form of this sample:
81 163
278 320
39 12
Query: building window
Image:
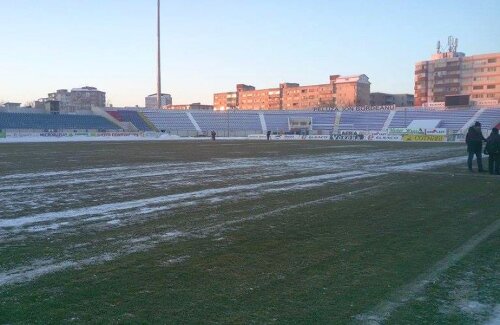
477 87
492 69
492 60
491 87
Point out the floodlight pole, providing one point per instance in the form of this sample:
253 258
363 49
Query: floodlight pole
159 59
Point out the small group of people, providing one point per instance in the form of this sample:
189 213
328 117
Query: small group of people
474 140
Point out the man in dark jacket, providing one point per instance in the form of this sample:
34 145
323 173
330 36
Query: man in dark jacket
493 150
474 140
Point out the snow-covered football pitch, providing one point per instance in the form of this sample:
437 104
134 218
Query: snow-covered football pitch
247 232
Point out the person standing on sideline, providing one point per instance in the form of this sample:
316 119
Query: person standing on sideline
474 140
213 135
493 150
268 134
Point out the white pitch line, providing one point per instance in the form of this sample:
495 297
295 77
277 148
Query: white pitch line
409 292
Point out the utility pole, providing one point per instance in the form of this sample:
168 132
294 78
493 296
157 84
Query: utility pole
159 60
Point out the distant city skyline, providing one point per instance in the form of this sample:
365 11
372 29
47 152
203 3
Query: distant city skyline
210 45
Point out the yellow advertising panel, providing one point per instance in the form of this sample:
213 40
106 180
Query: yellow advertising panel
423 138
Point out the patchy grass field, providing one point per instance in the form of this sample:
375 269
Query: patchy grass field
247 232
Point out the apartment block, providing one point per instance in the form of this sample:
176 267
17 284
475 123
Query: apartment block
340 91
398 100
77 99
454 74
151 101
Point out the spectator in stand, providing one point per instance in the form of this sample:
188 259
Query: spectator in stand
474 141
493 151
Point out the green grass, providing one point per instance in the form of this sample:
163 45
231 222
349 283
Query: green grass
317 263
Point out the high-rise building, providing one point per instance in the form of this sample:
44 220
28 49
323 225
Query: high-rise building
340 92
76 99
453 73
152 100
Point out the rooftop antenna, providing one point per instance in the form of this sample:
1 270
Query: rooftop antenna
159 60
452 44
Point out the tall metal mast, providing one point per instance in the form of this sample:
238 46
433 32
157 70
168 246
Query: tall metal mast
159 60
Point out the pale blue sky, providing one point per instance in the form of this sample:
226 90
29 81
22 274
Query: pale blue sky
210 45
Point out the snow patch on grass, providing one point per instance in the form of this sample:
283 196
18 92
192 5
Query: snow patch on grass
39 268
495 317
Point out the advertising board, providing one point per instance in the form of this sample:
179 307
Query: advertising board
438 131
340 137
423 138
384 136
405 131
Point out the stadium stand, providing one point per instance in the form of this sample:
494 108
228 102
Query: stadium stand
168 121
54 122
278 121
490 118
366 121
323 121
453 119
242 123
232 120
131 116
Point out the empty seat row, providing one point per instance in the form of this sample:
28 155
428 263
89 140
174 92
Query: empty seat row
132 117
228 120
358 120
450 119
170 120
54 122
